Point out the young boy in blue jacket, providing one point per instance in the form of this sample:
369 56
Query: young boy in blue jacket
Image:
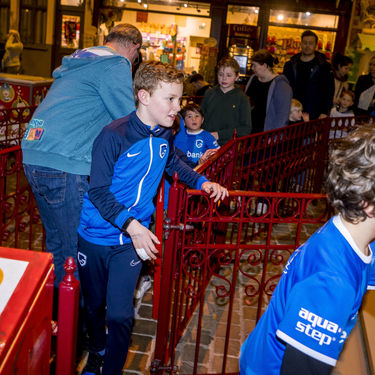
315 305
128 160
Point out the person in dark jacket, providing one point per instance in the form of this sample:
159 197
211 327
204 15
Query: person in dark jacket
310 77
365 91
270 94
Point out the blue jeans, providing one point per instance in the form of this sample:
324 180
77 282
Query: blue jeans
109 275
59 196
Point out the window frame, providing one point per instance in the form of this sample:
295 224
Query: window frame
36 26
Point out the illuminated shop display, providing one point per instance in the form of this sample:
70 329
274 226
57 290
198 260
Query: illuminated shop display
285 29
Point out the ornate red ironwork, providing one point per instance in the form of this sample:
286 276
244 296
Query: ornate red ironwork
20 226
13 123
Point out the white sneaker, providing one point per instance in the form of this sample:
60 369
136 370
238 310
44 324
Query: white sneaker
143 286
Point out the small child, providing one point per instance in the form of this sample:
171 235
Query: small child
296 115
315 304
225 106
198 144
345 102
128 160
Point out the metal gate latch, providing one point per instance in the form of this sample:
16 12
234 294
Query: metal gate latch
168 226
155 367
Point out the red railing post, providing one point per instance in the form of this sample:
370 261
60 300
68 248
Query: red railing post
161 353
67 321
159 234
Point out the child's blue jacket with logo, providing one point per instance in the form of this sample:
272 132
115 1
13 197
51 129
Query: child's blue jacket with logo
128 161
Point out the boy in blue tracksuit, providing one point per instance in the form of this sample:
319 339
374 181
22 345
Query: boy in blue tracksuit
128 160
315 305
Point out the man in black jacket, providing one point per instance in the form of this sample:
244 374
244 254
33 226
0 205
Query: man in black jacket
310 77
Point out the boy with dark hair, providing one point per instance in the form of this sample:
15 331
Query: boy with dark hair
225 106
198 144
128 160
315 305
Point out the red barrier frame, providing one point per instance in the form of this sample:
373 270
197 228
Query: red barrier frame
270 161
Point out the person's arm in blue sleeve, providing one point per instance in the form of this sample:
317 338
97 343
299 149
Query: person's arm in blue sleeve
184 158
116 89
192 178
105 152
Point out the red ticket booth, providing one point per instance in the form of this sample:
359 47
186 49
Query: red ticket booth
17 90
26 288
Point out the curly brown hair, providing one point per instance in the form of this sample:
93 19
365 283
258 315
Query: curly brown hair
151 73
350 183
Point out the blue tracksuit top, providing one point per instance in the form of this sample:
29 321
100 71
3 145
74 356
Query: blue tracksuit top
91 88
128 161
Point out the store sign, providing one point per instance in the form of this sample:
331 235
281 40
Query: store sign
243 30
142 16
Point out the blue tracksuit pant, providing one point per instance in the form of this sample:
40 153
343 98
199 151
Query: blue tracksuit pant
109 276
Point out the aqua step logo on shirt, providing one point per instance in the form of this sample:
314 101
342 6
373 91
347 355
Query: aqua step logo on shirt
313 323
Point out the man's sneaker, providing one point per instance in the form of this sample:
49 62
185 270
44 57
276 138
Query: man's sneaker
143 287
94 364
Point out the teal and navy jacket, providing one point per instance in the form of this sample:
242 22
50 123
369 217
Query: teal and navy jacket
91 88
128 161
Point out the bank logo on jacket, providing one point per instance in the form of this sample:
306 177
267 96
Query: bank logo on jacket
163 150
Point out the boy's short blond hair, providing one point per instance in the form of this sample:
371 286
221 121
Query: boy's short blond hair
295 104
228 62
151 73
350 183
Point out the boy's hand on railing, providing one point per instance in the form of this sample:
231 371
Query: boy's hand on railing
143 238
207 155
215 190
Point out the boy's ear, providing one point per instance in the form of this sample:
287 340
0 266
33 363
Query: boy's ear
143 96
369 210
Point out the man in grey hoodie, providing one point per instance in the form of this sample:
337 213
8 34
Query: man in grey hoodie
92 88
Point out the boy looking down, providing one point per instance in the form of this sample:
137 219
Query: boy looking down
128 160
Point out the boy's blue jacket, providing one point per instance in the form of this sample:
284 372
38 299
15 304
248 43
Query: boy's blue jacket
92 88
128 161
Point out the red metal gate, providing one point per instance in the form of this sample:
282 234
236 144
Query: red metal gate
221 262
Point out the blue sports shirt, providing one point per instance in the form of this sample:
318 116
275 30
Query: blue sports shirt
315 304
194 145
